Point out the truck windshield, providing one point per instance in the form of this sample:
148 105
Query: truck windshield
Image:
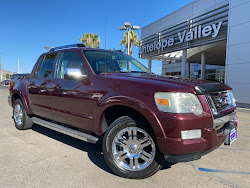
110 62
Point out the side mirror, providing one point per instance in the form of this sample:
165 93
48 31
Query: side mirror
74 74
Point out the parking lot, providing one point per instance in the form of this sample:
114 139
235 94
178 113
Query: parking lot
45 158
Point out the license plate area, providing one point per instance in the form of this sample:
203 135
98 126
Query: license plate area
231 135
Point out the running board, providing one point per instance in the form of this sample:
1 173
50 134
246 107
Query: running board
70 132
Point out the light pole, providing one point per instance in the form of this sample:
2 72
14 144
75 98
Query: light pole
127 26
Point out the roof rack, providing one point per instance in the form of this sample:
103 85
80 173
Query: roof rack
118 51
67 46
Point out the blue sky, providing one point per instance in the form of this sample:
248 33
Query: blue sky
27 25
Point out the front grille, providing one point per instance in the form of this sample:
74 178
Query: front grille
220 101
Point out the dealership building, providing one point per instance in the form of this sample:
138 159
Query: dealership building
204 39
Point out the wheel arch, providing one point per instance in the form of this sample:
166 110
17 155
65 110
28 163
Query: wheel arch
122 106
16 96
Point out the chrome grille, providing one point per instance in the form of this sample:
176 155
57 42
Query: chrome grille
220 101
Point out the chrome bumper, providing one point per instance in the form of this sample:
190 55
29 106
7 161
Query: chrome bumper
219 122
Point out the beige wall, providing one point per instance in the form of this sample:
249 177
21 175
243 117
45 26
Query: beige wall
4 72
238 46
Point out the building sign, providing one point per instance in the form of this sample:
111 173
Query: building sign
184 36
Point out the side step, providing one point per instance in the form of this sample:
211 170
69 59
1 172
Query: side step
70 132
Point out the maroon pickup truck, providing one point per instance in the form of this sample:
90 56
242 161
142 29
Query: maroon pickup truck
142 119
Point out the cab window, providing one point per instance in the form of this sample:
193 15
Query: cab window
69 60
39 67
45 68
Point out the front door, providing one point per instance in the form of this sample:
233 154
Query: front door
71 98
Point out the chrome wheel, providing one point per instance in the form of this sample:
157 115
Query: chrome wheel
18 115
133 149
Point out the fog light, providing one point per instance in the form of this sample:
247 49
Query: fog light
191 134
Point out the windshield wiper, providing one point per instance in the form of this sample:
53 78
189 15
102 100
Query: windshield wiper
138 72
117 72
125 72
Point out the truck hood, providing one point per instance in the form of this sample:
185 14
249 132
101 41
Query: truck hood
172 82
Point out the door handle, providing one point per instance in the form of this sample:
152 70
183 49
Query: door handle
32 85
43 90
57 86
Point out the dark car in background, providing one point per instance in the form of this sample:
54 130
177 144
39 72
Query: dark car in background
5 82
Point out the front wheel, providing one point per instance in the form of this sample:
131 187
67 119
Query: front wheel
130 149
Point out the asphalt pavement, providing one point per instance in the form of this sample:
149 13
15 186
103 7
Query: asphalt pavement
45 158
4 87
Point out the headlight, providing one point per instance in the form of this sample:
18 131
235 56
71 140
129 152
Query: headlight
178 102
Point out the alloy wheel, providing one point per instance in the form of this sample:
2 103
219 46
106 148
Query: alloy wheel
18 115
133 149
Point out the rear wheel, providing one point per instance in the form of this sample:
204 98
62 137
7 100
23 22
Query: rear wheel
130 149
21 119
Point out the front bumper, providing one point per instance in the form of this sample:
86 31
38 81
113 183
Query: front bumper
178 150
185 158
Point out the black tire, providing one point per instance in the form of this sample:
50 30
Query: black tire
26 121
114 129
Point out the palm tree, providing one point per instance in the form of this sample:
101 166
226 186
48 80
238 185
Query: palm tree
91 40
133 40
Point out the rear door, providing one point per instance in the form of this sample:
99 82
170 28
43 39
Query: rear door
39 85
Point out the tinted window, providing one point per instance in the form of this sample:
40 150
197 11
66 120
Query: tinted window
39 67
70 60
47 66
108 62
